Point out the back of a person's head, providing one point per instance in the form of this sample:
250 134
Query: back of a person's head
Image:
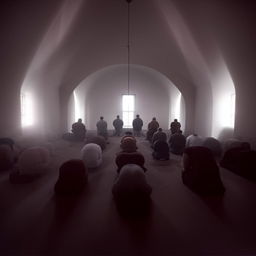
175 120
101 118
80 120
153 118
137 115
117 116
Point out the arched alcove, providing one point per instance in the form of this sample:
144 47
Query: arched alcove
100 94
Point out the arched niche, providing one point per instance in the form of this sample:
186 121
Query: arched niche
100 94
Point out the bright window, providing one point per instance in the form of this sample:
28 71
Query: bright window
232 109
26 109
77 108
128 110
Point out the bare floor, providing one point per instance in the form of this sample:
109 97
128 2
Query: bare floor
34 222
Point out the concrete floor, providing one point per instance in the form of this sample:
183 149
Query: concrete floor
34 222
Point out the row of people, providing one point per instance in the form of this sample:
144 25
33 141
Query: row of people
200 170
79 130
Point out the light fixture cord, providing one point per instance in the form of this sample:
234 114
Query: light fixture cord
128 49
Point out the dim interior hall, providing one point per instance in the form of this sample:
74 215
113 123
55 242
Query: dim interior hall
63 60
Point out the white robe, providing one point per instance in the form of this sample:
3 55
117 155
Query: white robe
91 155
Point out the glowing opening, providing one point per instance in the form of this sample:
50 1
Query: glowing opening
77 108
232 110
177 107
227 110
27 113
128 110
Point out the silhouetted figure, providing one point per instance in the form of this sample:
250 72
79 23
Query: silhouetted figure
137 126
124 158
161 150
131 191
79 130
118 125
213 144
175 126
177 143
102 128
99 140
128 144
152 128
194 140
72 179
201 172
240 160
159 135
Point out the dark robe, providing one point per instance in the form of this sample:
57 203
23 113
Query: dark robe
240 160
79 131
102 129
124 158
118 125
175 127
177 143
159 135
152 128
161 150
201 172
72 177
137 124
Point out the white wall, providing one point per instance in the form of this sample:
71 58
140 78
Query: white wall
104 90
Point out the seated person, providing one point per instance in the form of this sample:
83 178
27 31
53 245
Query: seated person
175 126
240 160
201 172
124 158
177 143
194 140
159 135
73 176
91 155
32 163
102 128
128 144
79 130
213 144
161 150
131 190
99 140
152 128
